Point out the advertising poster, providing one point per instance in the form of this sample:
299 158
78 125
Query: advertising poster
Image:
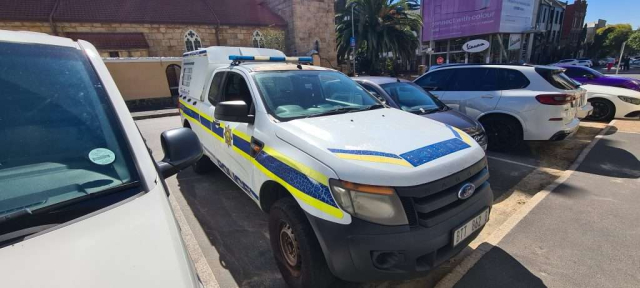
445 19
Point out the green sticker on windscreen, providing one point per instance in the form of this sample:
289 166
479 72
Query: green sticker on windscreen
102 156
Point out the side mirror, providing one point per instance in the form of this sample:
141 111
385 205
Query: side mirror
181 149
233 111
375 94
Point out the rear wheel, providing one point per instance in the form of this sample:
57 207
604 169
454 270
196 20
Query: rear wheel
603 110
295 247
504 133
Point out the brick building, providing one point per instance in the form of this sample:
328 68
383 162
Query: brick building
164 28
572 28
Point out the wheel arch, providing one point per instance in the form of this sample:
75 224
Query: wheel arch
503 113
270 192
605 97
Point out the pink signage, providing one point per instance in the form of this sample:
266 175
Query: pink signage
444 19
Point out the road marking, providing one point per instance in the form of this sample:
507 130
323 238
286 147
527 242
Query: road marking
459 271
199 261
628 132
512 162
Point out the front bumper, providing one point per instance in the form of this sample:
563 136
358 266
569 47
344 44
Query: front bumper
356 251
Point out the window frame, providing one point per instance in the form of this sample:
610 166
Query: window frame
214 100
500 80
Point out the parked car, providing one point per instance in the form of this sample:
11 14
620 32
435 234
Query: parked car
586 75
82 203
612 102
404 94
353 189
585 63
566 62
635 63
513 102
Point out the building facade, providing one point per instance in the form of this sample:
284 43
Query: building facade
165 28
506 25
572 38
548 30
592 28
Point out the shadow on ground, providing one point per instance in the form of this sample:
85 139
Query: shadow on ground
498 269
611 161
235 225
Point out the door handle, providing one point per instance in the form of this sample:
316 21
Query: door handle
487 96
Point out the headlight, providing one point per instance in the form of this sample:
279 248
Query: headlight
634 101
377 204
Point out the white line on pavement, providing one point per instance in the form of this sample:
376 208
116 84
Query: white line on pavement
628 132
512 162
454 276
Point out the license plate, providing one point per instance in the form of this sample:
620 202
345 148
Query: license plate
467 229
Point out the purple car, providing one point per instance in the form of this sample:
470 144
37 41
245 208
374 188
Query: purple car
586 75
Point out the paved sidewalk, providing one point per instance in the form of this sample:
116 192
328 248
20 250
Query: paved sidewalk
585 233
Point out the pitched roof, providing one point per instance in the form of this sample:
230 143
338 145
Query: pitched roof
229 12
112 40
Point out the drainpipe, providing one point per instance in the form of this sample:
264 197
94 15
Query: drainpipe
206 2
54 29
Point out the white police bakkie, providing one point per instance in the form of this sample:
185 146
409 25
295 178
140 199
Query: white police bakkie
353 188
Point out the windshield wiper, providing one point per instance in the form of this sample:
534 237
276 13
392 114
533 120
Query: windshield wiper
339 110
372 107
15 215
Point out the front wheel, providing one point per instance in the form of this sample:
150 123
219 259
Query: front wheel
603 110
295 247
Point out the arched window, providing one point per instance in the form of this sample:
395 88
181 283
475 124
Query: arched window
192 41
257 39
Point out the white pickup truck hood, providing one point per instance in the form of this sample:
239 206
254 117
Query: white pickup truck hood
135 244
395 148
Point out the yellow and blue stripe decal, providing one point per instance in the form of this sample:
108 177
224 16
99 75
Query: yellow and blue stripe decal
413 158
304 183
370 156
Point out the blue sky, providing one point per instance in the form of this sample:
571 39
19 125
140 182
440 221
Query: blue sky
614 11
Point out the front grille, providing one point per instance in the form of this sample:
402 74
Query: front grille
434 202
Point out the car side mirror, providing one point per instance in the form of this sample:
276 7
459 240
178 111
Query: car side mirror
181 149
233 111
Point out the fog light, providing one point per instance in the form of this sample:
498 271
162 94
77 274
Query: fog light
386 260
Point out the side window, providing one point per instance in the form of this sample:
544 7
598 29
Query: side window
573 72
437 80
214 89
236 88
512 79
475 79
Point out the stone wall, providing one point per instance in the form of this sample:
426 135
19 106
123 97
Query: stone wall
165 40
309 20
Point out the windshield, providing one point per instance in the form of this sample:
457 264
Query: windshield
410 97
59 138
295 94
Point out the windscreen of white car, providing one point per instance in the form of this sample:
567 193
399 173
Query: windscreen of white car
299 94
411 98
60 141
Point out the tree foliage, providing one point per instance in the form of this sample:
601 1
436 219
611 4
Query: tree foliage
634 40
608 40
382 27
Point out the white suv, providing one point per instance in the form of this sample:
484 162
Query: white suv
513 102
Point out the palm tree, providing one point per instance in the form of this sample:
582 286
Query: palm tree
381 27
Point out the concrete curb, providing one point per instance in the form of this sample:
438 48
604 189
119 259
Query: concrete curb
155 114
452 278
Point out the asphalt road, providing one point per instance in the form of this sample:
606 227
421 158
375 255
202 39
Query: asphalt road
583 234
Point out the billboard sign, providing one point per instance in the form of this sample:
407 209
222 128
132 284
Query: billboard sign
445 19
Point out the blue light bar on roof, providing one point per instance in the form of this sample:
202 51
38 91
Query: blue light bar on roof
270 59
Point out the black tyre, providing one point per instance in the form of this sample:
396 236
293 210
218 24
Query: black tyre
203 166
504 133
296 248
603 110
